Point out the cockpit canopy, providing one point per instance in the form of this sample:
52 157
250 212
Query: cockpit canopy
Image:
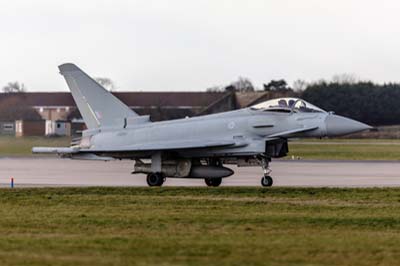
287 105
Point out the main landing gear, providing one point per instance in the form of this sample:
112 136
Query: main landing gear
266 180
213 182
155 179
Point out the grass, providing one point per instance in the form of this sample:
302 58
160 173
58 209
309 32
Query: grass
15 147
199 226
347 149
335 149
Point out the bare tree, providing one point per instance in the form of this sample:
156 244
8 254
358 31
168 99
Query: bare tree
14 87
15 106
345 78
242 85
107 83
299 85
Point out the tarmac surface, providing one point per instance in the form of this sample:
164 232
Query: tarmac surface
44 172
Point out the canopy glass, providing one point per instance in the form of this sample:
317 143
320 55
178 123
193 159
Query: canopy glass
288 105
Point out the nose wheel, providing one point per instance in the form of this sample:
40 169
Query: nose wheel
267 181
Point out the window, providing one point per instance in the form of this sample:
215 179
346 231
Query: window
8 127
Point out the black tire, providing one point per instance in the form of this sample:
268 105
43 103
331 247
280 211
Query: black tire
267 181
155 179
213 182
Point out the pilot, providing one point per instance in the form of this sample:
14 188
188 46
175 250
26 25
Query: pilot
282 103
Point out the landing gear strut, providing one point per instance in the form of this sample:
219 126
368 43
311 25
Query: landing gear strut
266 180
213 182
155 179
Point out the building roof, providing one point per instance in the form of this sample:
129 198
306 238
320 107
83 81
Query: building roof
175 99
246 99
132 99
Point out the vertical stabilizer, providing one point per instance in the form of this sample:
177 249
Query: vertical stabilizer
98 107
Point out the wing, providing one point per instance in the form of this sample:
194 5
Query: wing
168 145
155 146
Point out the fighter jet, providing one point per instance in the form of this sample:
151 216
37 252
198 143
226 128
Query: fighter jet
197 147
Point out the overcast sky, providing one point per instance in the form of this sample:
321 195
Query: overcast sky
154 45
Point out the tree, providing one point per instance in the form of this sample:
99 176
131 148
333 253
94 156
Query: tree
241 85
230 88
107 83
14 87
345 78
277 85
299 85
371 103
14 106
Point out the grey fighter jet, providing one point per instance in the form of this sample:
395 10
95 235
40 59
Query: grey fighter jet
196 147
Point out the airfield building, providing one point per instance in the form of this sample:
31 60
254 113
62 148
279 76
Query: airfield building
56 112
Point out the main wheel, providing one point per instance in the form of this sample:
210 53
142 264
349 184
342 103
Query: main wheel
155 179
213 182
266 181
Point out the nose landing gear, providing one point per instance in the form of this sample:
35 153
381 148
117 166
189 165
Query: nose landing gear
266 180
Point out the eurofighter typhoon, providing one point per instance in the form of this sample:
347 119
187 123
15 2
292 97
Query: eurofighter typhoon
197 147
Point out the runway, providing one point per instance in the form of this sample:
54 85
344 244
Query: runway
43 172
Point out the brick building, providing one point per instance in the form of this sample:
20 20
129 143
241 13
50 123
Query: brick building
60 106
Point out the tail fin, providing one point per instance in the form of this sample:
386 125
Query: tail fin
98 106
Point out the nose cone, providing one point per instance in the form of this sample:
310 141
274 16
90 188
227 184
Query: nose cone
338 125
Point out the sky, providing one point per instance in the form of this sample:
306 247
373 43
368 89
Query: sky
177 45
